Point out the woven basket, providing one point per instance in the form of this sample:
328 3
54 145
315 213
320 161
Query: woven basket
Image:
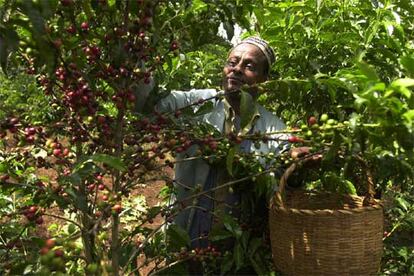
325 233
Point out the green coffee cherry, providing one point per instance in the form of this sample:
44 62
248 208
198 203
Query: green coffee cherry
330 122
92 268
324 118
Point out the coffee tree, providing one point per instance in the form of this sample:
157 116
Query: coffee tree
95 62
342 81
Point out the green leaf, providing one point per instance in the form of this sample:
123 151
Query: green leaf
71 228
404 91
218 234
153 211
32 11
347 187
318 5
238 256
408 63
187 111
405 82
177 238
254 244
230 159
78 201
207 107
37 241
379 86
28 269
199 6
80 171
247 109
168 63
265 183
371 32
403 252
329 157
3 167
401 86
402 203
88 10
389 27
409 116
258 265
106 159
76 177
360 101
330 181
231 225
229 27
368 71
226 264
244 240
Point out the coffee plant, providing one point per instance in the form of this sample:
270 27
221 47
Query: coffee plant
82 142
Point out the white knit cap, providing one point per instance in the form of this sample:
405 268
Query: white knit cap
263 45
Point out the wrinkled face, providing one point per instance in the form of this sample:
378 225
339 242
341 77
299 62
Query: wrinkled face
246 64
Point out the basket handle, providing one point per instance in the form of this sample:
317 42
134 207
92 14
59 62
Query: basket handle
278 199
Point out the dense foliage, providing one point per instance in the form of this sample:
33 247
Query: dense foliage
79 135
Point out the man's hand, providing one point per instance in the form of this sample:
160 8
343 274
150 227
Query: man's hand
296 153
299 152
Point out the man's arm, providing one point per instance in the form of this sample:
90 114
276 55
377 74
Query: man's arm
180 99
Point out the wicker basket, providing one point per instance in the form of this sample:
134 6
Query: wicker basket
324 233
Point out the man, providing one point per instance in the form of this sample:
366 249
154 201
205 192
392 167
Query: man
248 63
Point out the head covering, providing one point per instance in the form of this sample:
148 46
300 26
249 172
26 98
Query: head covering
263 45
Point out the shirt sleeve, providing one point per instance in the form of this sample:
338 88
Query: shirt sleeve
180 99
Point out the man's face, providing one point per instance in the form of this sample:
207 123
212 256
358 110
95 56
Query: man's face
245 64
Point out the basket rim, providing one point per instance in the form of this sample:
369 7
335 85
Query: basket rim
349 211
327 211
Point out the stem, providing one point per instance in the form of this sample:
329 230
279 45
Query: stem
115 246
169 265
88 239
146 262
227 184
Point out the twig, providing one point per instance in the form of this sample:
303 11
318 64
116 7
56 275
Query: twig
63 218
170 265
399 223
137 249
18 237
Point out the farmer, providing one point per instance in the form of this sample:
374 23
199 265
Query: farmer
248 63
